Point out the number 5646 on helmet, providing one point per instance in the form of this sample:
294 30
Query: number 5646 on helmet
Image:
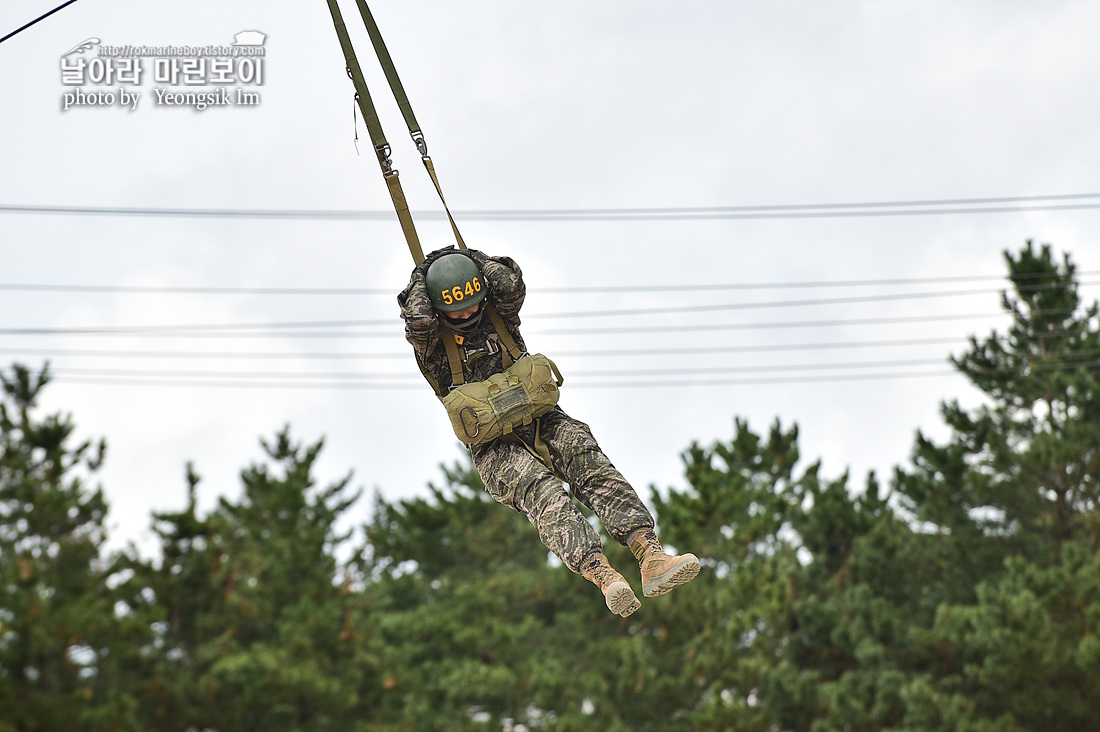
455 283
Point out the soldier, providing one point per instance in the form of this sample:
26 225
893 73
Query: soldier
456 288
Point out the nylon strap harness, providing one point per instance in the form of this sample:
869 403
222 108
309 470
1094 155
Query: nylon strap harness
374 126
511 352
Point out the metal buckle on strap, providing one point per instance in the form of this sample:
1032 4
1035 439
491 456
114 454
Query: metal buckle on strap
383 153
477 423
421 143
490 348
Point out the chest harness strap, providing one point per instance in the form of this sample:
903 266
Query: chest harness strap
510 354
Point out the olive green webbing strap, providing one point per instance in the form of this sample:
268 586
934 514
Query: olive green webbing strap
541 450
453 359
406 108
377 136
505 337
388 67
430 379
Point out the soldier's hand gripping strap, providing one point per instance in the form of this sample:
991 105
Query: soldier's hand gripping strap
486 410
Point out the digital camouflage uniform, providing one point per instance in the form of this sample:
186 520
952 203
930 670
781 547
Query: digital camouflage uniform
512 475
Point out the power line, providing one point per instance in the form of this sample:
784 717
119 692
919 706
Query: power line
416 376
625 352
145 377
793 303
194 330
356 291
189 329
824 378
1069 366
793 285
155 332
404 355
39 18
781 211
416 386
619 372
695 327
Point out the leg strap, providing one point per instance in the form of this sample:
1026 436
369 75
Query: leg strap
540 450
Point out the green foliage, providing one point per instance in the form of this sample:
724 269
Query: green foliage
258 630
65 653
925 607
965 595
474 624
1021 473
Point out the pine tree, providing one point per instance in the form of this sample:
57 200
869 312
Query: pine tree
66 651
965 597
258 629
729 648
474 626
1012 506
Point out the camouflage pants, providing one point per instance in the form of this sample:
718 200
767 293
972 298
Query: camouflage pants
516 478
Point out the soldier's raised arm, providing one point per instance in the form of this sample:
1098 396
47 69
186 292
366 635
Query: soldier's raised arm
421 326
505 283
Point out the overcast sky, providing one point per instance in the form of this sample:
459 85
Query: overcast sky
564 105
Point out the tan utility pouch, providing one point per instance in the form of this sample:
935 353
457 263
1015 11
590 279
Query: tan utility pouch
493 408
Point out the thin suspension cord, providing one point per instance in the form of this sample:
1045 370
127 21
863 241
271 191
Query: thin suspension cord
36 20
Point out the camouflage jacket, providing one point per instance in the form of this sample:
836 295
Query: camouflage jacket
481 350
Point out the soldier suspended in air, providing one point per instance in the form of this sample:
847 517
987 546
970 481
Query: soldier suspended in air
461 312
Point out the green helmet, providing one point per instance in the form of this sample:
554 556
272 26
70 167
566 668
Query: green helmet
455 283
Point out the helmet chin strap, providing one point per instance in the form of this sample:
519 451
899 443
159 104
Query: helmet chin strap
465 327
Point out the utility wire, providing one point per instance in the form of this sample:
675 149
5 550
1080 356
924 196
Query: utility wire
782 211
793 285
158 333
697 327
354 291
1073 366
676 371
823 378
626 352
197 329
416 376
418 387
39 18
795 303
404 355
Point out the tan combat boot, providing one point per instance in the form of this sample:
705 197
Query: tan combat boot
620 598
661 572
